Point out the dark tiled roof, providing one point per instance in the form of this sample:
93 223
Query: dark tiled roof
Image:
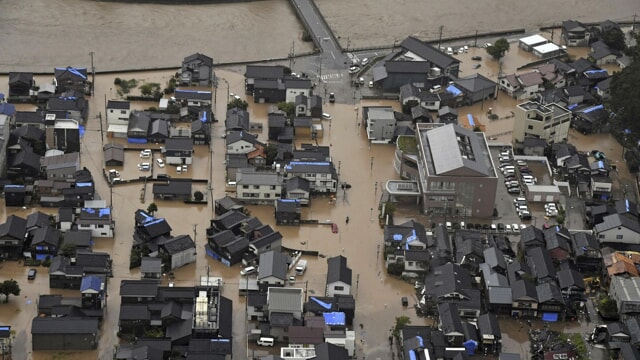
338 270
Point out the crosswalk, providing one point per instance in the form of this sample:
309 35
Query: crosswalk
331 76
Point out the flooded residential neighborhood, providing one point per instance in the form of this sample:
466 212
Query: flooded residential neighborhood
348 225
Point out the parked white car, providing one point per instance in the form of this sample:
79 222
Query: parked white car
144 166
146 153
160 162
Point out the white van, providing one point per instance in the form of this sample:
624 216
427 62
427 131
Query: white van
326 116
266 341
435 88
528 178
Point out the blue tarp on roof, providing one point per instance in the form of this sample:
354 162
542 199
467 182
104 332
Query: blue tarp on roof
590 72
593 108
137 140
412 355
220 340
334 318
84 184
471 346
571 107
90 283
421 340
410 239
470 118
550 317
321 303
453 90
203 118
7 109
42 256
74 71
153 221
81 130
397 237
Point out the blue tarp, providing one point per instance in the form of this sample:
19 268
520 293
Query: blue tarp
90 283
137 140
594 72
1 96
397 237
74 71
7 109
571 107
81 130
420 340
593 108
470 118
411 239
335 318
203 118
550 317
412 355
41 256
453 90
321 303
471 346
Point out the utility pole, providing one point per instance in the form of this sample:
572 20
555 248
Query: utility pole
633 27
93 73
292 55
440 36
475 40
195 232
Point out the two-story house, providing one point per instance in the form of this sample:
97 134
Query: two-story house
241 142
258 186
617 229
272 269
524 299
284 308
177 251
61 167
44 243
12 237
321 175
339 276
179 151
194 98
197 69
97 220
575 33
118 113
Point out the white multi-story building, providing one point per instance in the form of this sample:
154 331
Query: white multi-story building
322 175
543 121
258 187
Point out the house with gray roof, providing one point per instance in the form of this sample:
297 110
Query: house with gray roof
287 212
450 324
61 167
175 189
380 123
469 250
339 276
557 239
284 308
490 334
237 120
618 229
476 88
586 251
64 333
151 268
451 283
494 257
574 33
550 301
241 142
322 175
297 188
571 282
255 73
258 187
272 269
180 250
458 177
12 237
497 290
197 69
626 293
541 264
524 298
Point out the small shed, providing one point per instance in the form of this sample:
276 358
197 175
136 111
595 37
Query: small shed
529 42
113 154
547 50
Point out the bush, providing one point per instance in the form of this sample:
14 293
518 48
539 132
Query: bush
117 81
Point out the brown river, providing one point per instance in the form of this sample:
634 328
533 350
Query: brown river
131 36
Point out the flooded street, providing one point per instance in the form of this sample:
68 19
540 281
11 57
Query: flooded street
366 168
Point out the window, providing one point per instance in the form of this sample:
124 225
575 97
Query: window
256 186
272 187
338 288
619 237
123 112
530 127
267 196
245 186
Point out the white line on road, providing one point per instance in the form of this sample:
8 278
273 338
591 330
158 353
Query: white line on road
334 57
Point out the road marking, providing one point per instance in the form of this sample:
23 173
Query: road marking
331 76
334 56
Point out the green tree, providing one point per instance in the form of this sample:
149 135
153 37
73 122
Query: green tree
406 108
614 38
238 103
625 102
499 49
272 152
607 306
152 208
401 322
68 250
9 287
198 196
287 107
